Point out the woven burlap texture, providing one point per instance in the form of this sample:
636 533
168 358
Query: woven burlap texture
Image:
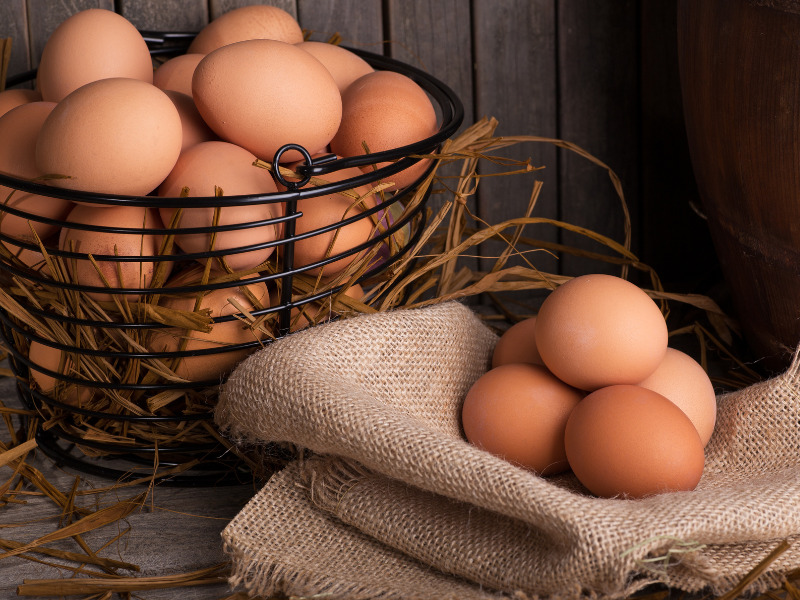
390 501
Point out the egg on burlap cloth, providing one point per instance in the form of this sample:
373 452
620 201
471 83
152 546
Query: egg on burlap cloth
393 502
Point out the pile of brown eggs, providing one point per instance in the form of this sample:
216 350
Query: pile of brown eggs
104 118
590 384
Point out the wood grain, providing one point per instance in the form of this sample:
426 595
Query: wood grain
516 82
15 26
415 36
165 15
599 110
175 531
358 22
740 89
217 7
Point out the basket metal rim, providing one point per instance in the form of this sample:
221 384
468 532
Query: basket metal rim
448 101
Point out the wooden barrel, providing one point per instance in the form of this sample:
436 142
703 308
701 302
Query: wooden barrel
740 79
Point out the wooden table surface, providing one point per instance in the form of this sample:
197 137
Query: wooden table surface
176 530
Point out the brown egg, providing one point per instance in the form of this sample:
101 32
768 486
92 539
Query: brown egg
114 136
30 258
322 211
219 303
360 195
90 45
598 330
58 361
518 412
19 130
386 110
517 345
12 98
628 441
263 94
176 73
194 128
229 167
122 274
345 66
247 23
318 214
681 379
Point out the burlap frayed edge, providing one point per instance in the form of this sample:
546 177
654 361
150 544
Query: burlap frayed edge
258 577
343 475
791 376
690 572
257 574
636 579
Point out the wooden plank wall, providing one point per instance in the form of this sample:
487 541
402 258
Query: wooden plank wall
599 73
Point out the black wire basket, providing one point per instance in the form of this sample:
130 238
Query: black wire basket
148 425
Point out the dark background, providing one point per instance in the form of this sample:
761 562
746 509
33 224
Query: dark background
601 74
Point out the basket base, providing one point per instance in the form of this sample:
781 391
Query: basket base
217 468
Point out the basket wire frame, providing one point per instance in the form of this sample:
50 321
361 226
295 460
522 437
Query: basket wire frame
211 463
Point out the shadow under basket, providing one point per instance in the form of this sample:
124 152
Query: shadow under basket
114 404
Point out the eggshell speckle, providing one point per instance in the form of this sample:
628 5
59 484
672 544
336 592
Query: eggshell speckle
518 412
57 361
19 130
386 110
256 21
322 211
90 45
263 94
219 302
122 274
517 345
205 166
176 73
598 330
345 66
115 136
628 441
681 379
194 128
12 98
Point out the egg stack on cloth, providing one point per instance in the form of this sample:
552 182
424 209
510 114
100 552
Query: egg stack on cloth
393 501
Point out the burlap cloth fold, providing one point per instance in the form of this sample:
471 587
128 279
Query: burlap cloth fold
392 502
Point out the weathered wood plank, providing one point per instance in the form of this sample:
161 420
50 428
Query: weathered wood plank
176 531
358 22
675 239
217 7
165 15
599 104
14 25
435 37
515 82
45 15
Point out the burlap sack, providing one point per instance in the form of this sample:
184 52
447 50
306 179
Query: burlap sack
392 502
